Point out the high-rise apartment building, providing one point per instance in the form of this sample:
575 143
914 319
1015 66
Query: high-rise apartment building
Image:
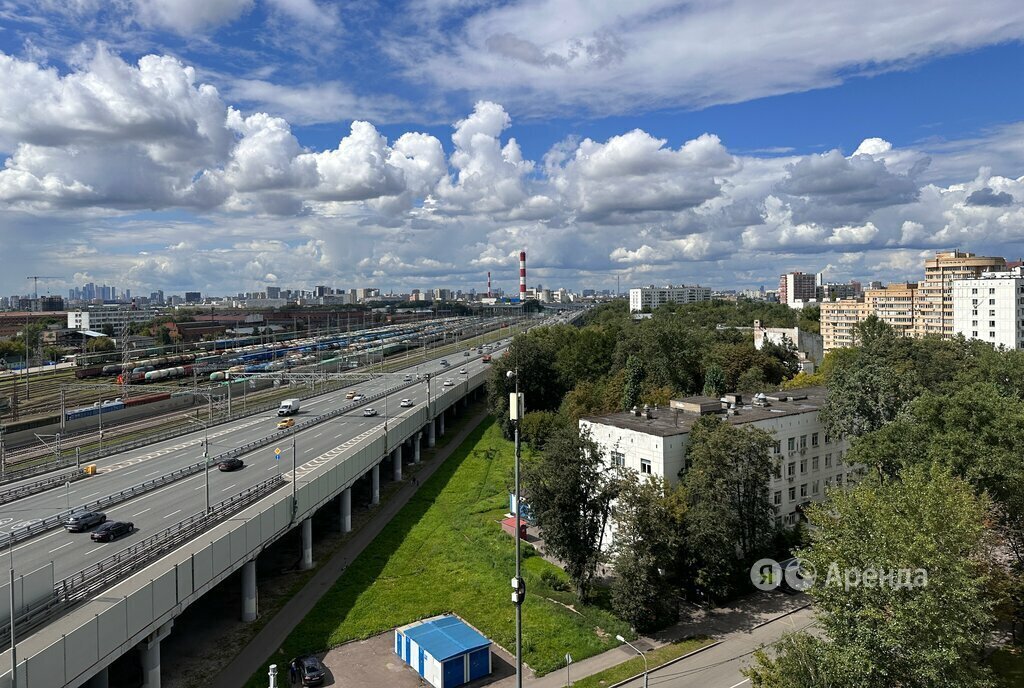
839 321
797 286
651 297
894 305
934 298
991 308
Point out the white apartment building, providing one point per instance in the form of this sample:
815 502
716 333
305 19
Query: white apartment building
807 461
991 308
652 296
96 318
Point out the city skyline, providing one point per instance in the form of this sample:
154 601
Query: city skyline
159 149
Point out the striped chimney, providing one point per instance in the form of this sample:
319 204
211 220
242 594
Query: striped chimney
488 284
522 275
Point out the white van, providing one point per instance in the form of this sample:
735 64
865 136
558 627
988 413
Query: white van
288 407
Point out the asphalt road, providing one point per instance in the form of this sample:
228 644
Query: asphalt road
165 506
720 666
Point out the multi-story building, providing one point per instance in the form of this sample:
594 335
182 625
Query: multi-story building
991 308
809 349
116 317
797 286
839 321
651 297
894 305
934 298
193 297
807 461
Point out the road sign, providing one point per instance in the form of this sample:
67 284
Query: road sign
277 454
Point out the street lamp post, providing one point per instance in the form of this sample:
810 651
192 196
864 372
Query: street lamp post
519 586
206 455
635 649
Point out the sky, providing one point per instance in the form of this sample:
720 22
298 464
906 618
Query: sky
223 146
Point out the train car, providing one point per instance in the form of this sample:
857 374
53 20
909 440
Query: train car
95 409
84 373
147 399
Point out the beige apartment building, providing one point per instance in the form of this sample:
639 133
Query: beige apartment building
894 304
839 322
933 303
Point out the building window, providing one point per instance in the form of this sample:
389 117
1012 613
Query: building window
814 439
991 290
974 333
814 487
991 335
828 482
991 302
778 447
792 493
645 466
803 441
803 466
991 323
791 469
791 443
778 498
803 490
974 291
974 323
778 470
828 440
828 461
814 463
992 314
618 459
839 479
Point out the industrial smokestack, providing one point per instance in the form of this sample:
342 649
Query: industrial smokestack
488 284
522 275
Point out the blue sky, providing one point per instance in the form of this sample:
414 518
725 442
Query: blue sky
210 144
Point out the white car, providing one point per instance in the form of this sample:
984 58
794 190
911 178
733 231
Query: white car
358 397
407 378
448 382
462 372
369 411
405 403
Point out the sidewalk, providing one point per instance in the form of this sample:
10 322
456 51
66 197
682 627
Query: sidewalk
253 656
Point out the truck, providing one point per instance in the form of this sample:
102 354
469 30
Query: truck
288 407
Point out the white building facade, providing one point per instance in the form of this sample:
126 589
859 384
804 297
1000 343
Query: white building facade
95 319
991 308
652 297
807 461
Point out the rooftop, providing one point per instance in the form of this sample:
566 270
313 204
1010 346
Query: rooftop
445 637
669 422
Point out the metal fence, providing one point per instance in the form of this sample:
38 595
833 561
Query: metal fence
16 493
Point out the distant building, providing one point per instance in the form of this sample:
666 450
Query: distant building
651 297
797 286
115 316
991 308
273 292
934 298
809 347
807 461
193 297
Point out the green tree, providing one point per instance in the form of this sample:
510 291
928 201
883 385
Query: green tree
538 427
570 490
730 515
881 633
648 545
101 344
864 398
163 336
634 382
799 660
714 382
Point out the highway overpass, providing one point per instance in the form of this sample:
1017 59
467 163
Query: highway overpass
82 620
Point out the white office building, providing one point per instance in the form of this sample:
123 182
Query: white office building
991 308
652 296
116 317
807 461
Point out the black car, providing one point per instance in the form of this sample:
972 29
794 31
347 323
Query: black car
311 671
230 465
82 521
111 530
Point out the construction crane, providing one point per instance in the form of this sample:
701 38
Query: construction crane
35 287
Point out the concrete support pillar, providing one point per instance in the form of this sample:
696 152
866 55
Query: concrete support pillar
249 591
396 464
307 545
346 510
149 654
440 420
100 679
416 447
375 484
431 433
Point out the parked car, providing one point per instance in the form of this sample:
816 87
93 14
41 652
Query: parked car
448 382
83 520
406 403
311 671
369 411
230 464
111 530
286 423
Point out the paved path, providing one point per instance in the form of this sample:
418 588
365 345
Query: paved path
253 656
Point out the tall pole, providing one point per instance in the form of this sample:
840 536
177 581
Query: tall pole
14 642
518 580
295 503
206 463
637 650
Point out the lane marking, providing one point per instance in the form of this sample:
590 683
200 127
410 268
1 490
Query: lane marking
746 680
95 549
140 513
229 487
172 513
62 546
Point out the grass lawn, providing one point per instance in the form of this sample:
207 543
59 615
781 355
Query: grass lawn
445 552
655 658
1008 664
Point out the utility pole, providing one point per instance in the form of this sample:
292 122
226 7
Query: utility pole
518 585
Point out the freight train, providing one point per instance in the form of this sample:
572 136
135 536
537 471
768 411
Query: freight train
112 369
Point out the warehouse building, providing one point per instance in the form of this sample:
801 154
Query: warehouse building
653 441
444 650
